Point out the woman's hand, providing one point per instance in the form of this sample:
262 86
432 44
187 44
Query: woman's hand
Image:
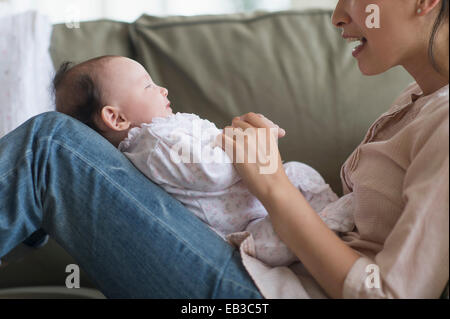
324 255
251 142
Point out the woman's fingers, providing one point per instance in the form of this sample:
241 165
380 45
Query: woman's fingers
242 142
259 120
281 132
238 123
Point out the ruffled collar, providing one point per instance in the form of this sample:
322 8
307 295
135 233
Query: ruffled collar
132 134
156 121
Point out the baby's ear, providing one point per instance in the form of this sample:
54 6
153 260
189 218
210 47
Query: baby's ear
113 119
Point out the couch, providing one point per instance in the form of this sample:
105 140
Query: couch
292 66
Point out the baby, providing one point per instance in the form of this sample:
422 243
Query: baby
117 97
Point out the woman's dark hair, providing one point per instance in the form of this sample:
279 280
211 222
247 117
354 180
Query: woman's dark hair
77 93
442 18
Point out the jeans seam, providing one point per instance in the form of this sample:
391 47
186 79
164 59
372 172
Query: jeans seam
228 280
167 228
15 167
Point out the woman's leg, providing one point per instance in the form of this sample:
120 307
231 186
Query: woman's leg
131 237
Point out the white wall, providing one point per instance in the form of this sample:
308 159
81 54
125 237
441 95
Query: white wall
306 4
129 10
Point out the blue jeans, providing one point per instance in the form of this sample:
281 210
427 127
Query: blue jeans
132 238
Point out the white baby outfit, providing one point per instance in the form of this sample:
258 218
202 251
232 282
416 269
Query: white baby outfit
179 154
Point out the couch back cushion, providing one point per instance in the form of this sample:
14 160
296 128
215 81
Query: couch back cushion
291 66
90 40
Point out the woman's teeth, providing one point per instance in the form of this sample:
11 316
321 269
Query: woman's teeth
361 42
353 39
362 39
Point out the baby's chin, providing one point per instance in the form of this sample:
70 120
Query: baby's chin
169 113
166 115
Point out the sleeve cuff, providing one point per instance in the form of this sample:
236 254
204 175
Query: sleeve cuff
354 284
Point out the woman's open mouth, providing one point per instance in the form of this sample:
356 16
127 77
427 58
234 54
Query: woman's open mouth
358 49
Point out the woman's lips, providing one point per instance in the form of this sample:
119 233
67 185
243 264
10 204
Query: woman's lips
353 38
359 48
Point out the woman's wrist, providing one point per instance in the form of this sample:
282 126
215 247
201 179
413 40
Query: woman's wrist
280 190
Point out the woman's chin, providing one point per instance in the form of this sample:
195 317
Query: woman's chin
370 69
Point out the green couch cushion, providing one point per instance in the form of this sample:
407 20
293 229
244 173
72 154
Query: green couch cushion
292 66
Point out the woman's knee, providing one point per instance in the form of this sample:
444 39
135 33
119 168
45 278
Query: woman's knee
65 131
53 121
47 124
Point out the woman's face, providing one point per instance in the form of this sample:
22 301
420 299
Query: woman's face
398 40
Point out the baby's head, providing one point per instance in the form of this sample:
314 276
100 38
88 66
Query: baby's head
111 94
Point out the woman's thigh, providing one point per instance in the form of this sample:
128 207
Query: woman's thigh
131 237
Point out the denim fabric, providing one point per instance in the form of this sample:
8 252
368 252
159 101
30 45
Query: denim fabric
132 238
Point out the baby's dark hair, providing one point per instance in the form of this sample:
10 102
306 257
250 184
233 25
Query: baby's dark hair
77 90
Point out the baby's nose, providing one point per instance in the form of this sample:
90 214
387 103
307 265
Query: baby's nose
164 91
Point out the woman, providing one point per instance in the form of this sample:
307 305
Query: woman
139 242
399 181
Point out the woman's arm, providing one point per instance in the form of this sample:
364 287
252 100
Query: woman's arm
325 256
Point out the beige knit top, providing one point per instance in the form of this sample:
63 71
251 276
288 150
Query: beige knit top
399 175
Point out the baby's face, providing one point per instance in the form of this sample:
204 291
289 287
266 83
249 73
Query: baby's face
127 85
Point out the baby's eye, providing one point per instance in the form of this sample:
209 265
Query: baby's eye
150 86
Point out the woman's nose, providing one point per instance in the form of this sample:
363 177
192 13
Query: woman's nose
340 16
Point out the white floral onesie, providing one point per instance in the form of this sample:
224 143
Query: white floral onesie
179 154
